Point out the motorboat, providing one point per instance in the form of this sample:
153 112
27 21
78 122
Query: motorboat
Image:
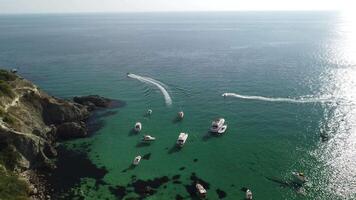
181 139
222 129
14 70
149 112
136 160
248 194
138 127
148 138
299 177
200 190
180 115
217 124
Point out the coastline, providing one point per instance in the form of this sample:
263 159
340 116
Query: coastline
33 128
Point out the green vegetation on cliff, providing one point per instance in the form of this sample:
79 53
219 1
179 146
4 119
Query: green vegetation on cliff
11 187
7 76
5 89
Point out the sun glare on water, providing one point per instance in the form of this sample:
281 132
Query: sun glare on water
338 153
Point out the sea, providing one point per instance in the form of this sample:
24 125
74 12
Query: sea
285 83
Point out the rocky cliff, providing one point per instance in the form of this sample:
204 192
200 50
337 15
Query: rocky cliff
31 122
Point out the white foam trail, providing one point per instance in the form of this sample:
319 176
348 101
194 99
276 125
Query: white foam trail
156 83
277 99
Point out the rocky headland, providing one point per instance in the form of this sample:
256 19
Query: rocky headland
31 124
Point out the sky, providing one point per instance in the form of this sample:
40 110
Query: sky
70 6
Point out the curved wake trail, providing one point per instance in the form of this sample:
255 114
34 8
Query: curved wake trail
156 83
277 99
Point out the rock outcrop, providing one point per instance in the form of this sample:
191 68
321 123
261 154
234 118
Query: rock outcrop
31 121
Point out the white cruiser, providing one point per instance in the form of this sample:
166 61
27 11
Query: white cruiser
148 138
200 190
217 126
181 139
138 127
248 194
180 115
136 160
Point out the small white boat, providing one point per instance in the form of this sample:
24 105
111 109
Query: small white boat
217 124
136 160
200 190
222 129
138 127
181 139
148 138
149 112
14 71
248 194
180 115
299 177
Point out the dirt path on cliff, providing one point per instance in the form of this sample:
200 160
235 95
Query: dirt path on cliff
17 97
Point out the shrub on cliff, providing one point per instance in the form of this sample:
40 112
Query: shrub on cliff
11 188
7 76
5 89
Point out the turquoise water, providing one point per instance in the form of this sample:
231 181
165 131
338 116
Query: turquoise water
200 56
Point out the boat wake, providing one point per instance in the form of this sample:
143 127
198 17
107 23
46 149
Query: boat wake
278 99
158 84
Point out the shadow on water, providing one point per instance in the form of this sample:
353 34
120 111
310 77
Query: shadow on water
132 132
131 167
177 120
208 135
174 149
287 184
142 144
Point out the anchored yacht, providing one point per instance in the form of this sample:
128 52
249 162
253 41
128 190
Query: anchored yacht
136 160
148 138
200 190
248 194
299 177
217 126
138 127
180 115
181 139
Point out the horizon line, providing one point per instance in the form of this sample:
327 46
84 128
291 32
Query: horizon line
173 11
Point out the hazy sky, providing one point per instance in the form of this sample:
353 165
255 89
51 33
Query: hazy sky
59 6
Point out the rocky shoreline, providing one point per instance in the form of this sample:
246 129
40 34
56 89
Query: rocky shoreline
31 125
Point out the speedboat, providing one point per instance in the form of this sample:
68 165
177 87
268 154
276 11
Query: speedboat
299 177
248 194
148 138
149 112
222 129
180 115
138 127
200 190
181 139
136 160
217 124
14 70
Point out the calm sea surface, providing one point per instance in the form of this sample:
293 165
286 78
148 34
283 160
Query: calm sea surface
293 75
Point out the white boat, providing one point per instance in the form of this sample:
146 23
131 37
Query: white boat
181 139
180 115
14 71
222 129
136 160
138 127
149 112
148 138
217 124
200 190
299 177
248 194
